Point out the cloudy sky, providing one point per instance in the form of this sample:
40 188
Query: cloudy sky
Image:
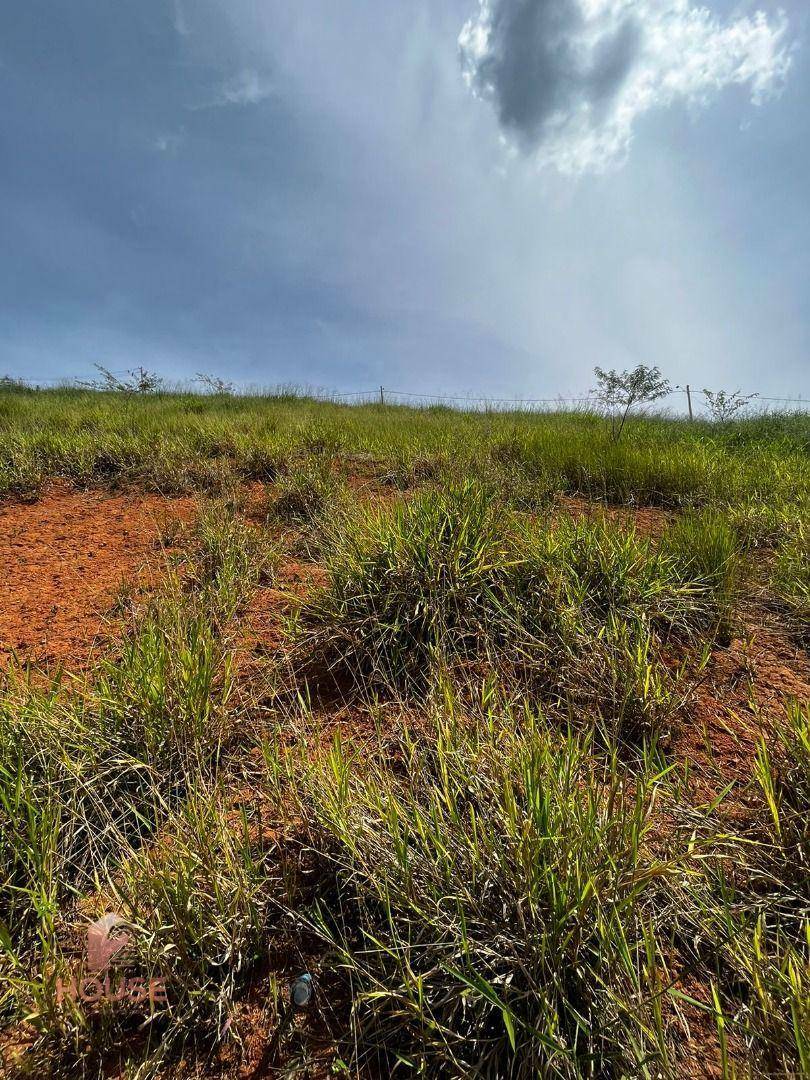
438 195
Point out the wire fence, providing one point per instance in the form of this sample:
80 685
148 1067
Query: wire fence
384 392
385 395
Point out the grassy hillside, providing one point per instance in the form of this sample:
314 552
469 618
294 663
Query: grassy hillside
173 441
462 713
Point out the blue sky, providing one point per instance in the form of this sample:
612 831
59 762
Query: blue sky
343 195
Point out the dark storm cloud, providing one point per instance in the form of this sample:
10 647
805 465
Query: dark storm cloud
279 195
533 69
138 215
570 77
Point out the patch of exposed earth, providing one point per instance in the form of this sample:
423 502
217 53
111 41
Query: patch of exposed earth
65 559
740 698
647 520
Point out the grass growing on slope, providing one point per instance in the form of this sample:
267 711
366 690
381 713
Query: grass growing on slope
791 572
504 898
748 923
506 879
499 907
207 900
710 553
90 774
784 777
182 441
451 581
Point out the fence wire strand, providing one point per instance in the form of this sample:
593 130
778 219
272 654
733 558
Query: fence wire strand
379 394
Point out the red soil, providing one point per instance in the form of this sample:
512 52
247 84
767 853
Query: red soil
648 520
739 699
64 559
65 556
262 632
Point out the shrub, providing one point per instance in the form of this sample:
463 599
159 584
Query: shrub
303 494
453 581
498 902
620 391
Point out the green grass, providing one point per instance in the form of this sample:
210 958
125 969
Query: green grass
710 552
305 498
498 901
91 774
506 903
486 851
451 581
791 571
176 442
749 920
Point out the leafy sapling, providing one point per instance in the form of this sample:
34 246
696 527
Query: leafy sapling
724 405
619 391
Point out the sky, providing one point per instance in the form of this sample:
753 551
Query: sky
440 196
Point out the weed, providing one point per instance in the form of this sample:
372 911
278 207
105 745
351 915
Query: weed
304 493
791 572
179 441
708 551
497 911
452 581
499 875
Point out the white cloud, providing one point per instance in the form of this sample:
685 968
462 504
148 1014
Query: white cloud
248 87
180 21
569 78
168 142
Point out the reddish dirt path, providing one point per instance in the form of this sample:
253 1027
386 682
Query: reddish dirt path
63 561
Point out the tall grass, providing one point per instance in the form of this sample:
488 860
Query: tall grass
791 572
511 899
499 873
303 493
90 775
205 899
181 441
749 920
503 903
451 581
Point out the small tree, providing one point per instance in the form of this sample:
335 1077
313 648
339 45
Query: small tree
138 381
213 384
619 391
9 382
724 405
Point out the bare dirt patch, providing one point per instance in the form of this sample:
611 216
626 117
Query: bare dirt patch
740 699
262 629
647 520
64 560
